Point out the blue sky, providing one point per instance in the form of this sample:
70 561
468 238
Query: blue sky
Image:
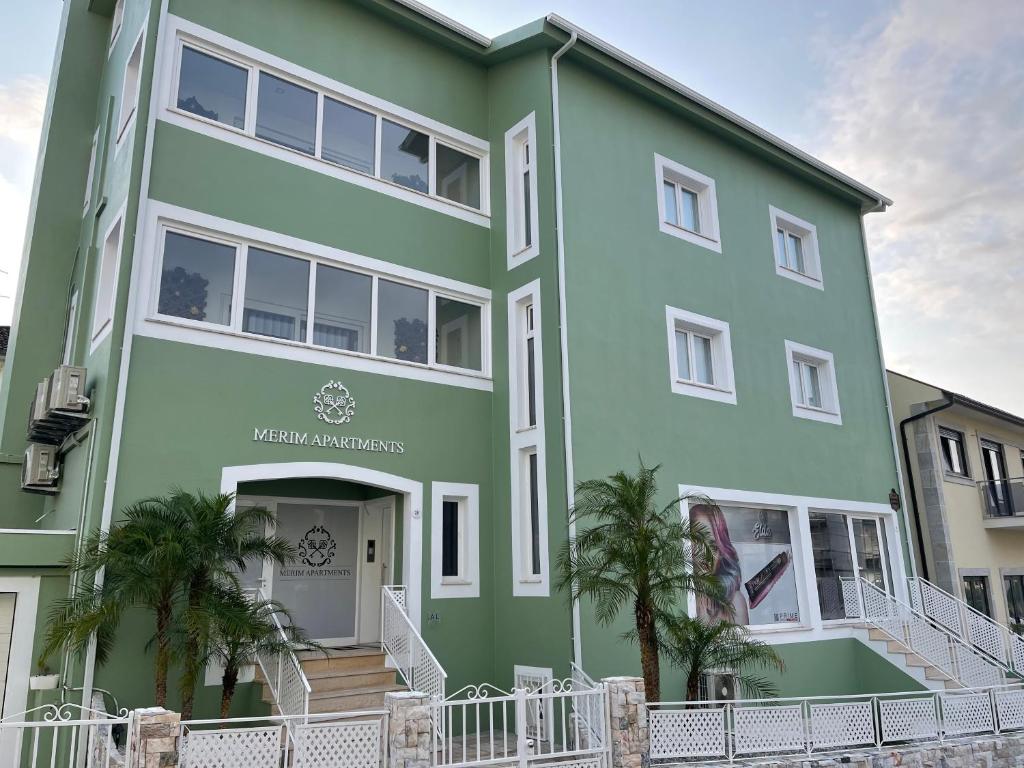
920 99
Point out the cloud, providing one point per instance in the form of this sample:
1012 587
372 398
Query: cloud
22 104
928 108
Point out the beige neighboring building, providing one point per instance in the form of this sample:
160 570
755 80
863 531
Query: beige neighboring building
965 480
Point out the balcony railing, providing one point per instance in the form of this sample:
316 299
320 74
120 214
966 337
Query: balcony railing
1002 499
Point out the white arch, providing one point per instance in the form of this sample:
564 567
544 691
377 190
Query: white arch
412 507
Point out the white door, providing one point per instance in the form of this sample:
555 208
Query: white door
374 553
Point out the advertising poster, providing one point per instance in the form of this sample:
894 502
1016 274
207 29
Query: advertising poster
754 562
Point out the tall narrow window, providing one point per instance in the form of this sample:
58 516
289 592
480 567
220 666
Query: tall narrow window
531 367
454 540
457 325
682 207
976 594
808 384
812 383
451 536
533 512
106 282
521 191
1014 585
998 500
130 90
116 22
92 170
795 243
954 458
69 331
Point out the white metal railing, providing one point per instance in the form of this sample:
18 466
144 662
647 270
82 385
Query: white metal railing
485 726
703 731
588 711
284 676
64 735
924 637
349 739
400 640
971 625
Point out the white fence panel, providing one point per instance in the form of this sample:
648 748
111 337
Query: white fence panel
339 745
845 724
907 719
964 713
769 729
688 733
232 748
1010 709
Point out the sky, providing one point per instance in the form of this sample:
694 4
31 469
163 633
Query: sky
922 100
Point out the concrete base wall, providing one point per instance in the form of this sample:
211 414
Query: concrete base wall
972 752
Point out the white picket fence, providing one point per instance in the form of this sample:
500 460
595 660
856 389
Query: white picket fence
763 728
64 735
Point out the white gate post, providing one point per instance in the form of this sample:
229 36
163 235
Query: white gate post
630 736
521 727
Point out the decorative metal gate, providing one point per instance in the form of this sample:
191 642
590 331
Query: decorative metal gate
485 726
68 736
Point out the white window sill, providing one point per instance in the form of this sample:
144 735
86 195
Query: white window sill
799 277
704 241
816 414
951 477
705 391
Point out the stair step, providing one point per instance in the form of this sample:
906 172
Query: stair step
895 646
934 673
877 634
343 660
913 660
346 679
953 685
371 697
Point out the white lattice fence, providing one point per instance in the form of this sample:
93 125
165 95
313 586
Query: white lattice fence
843 724
339 745
908 719
769 730
964 713
1010 709
688 733
232 748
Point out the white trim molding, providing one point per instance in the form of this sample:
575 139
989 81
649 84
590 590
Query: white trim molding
522 227
100 327
20 659
828 411
177 32
807 233
707 235
467 583
722 388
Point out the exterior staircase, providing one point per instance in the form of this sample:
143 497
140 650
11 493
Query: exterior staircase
904 658
344 680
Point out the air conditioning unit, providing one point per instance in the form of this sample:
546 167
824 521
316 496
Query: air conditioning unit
40 471
67 390
718 686
59 407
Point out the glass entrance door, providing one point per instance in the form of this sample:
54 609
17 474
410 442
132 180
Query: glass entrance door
846 546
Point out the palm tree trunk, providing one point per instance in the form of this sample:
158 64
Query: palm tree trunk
189 677
163 652
227 691
648 639
693 685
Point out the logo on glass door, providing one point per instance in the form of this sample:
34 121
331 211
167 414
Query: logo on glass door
316 548
334 404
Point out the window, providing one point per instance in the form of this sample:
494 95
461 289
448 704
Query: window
348 136
116 22
795 247
69 330
92 170
976 594
812 383
405 156
197 279
286 114
219 282
212 88
1014 586
521 207
529 353
954 457
997 491
531 517
687 204
700 356
295 112
130 90
455 540
106 283
845 546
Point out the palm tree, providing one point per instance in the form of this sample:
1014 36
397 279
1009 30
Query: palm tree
697 647
633 552
242 630
141 568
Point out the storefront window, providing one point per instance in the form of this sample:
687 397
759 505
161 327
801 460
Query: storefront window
754 563
833 560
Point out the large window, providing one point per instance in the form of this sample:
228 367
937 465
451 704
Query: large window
795 244
307 118
812 383
954 457
700 356
976 594
687 204
353 310
846 547
521 206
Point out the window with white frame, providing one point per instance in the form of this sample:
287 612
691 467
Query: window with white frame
92 170
530 515
812 383
795 245
521 205
106 282
700 356
954 455
455 540
116 22
308 119
130 90
687 204
229 283
69 330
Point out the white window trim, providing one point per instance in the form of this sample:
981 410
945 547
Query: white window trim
69 334
178 32
808 234
830 411
466 584
100 328
20 659
126 121
523 132
707 203
117 24
724 390
522 442
91 176
149 323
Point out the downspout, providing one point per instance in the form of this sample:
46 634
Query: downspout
570 484
910 476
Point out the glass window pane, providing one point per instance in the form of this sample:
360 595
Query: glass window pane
691 215
796 253
196 279
810 385
671 211
780 237
449 538
401 322
869 551
348 136
276 295
830 544
458 176
534 517
286 114
458 334
212 88
527 222
531 384
341 314
704 370
683 356
404 155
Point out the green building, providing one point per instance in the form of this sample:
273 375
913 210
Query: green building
406 285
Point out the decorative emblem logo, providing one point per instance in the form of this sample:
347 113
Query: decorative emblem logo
334 404
761 528
316 549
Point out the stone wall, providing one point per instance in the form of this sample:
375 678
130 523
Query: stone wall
630 736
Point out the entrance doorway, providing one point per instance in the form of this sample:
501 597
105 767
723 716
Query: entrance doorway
333 588
847 546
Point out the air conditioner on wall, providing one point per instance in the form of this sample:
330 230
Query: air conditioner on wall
59 407
40 471
718 686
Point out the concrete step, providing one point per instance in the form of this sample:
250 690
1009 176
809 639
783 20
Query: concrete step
371 697
895 646
347 680
913 660
342 660
875 633
934 673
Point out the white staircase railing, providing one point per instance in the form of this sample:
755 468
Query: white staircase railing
400 640
969 624
289 687
924 637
